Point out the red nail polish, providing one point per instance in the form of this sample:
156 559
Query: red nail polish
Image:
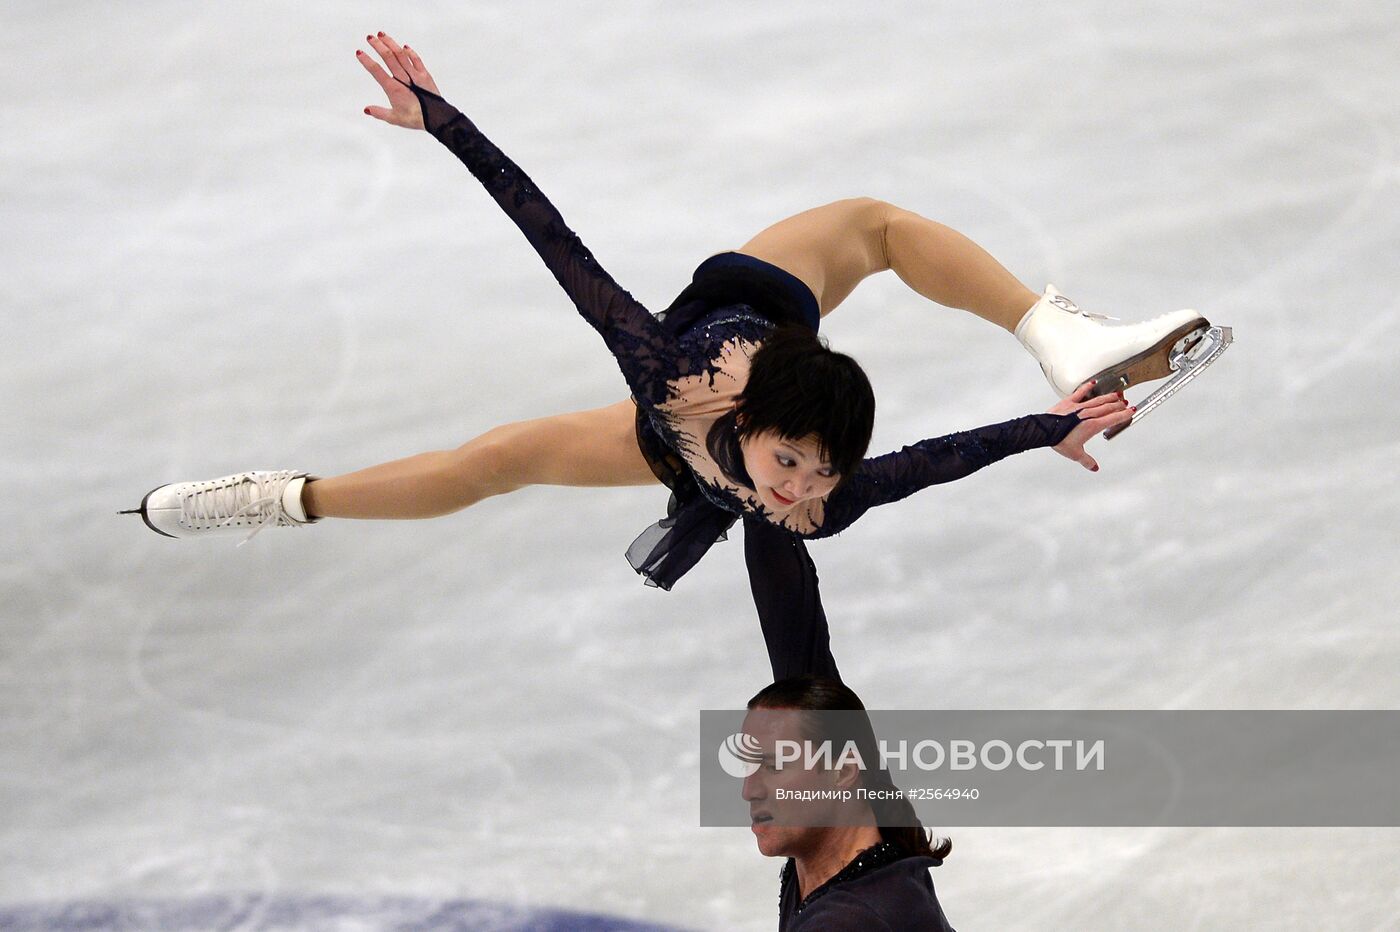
369 38
1093 469
381 34
366 111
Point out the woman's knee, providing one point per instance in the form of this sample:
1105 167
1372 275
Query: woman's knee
494 462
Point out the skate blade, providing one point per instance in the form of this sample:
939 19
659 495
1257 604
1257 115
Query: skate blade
1188 363
1155 362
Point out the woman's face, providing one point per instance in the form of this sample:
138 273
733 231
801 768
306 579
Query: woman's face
786 473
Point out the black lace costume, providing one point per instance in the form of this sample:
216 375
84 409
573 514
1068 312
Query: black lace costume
685 369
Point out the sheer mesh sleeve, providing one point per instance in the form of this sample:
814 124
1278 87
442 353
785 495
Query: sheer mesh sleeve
889 478
784 583
644 351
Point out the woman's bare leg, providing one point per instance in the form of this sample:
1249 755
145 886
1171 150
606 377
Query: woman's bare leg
832 248
586 448
945 266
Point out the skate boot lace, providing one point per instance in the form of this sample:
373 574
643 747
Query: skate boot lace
258 495
1065 304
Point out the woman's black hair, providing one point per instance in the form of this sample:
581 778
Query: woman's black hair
798 387
895 816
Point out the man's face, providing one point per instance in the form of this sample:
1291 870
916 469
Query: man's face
788 827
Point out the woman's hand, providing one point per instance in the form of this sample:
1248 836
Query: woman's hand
404 67
1095 415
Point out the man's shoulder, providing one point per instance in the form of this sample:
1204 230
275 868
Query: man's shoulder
898 897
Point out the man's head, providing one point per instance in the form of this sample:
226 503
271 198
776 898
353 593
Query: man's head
791 711
786 715
793 803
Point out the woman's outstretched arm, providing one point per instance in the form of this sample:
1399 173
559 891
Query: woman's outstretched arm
894 476
644 351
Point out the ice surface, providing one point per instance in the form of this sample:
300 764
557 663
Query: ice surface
213 261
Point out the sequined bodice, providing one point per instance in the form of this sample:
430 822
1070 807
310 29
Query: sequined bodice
697 406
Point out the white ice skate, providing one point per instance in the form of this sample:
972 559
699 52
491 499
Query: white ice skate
1073 346
244 502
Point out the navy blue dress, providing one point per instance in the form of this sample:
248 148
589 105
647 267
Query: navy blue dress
682 367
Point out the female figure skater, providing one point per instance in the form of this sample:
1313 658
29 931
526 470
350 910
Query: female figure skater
736 405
